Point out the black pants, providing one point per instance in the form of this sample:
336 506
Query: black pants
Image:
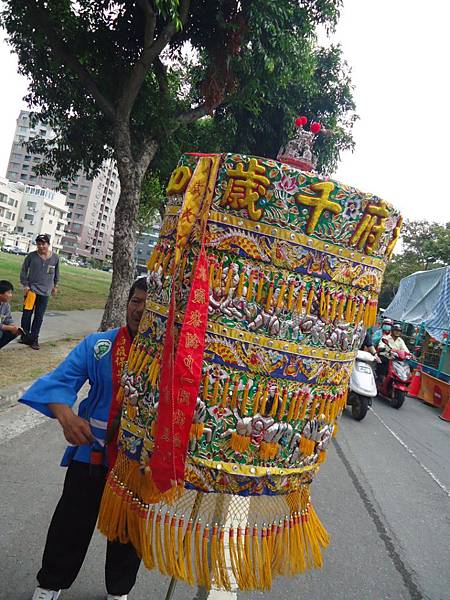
40 306
382 368
6 337
71 531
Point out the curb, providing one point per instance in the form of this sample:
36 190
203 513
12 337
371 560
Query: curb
10 395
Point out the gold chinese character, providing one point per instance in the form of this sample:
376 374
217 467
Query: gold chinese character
244 188
165 396
166 434
179 417
203 275
178 181
199 296
197 188
184 397
192 340
189 362
395 236
195 318
177 440
368 233
318 203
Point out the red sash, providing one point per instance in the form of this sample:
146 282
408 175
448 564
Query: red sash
120 351
181 368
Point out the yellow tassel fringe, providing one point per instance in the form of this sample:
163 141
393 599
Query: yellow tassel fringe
211 555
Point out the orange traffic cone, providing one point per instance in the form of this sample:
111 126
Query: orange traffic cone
446 413
414 386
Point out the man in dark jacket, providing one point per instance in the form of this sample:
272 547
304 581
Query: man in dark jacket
39 277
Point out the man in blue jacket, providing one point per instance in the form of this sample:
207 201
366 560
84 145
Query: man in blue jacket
99 359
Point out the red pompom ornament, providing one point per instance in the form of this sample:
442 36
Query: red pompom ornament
315 127
300 121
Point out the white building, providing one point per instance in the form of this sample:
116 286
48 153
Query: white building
10 200
91 203
42 211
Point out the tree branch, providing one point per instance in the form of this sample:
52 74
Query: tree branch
62 52
194 114
150 147
161 76
150 51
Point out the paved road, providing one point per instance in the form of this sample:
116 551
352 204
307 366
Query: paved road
59 325
383 495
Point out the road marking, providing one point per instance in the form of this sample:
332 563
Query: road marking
222 595
17 420
415 457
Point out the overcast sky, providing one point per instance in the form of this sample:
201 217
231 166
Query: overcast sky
399 52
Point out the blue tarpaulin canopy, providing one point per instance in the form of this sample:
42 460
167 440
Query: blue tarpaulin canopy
423 298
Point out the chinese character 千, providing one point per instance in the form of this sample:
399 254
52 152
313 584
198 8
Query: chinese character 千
318 203
244 188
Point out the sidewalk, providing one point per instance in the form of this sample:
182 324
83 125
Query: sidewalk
56 326
60 325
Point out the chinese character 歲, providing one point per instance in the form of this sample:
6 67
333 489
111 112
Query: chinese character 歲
244 188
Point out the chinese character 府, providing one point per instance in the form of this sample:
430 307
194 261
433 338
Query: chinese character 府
372 225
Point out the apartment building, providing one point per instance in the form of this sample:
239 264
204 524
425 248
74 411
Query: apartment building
144 246
91 203
10 200
42 211
26 211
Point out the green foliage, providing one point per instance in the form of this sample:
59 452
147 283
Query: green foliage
151 201
424 246
258 55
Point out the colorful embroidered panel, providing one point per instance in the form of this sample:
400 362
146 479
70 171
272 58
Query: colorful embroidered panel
295 265
261 286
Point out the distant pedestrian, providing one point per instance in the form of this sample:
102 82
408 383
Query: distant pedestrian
39 277
8 330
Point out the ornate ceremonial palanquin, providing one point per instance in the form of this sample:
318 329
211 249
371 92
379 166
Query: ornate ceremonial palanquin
261 286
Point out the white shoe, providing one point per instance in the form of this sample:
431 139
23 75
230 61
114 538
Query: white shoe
112 597
41 594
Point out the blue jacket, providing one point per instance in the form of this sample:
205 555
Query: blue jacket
90 360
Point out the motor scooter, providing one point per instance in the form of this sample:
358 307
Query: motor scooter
362 387
395 385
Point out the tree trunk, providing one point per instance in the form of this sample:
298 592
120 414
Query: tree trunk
131 174
123 251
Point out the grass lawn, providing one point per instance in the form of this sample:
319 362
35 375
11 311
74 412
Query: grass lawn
32 364
78 288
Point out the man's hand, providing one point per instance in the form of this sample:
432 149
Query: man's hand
54 291
25 291
76 430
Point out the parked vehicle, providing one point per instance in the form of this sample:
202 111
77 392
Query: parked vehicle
13 249
395 384
362 387
9 249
